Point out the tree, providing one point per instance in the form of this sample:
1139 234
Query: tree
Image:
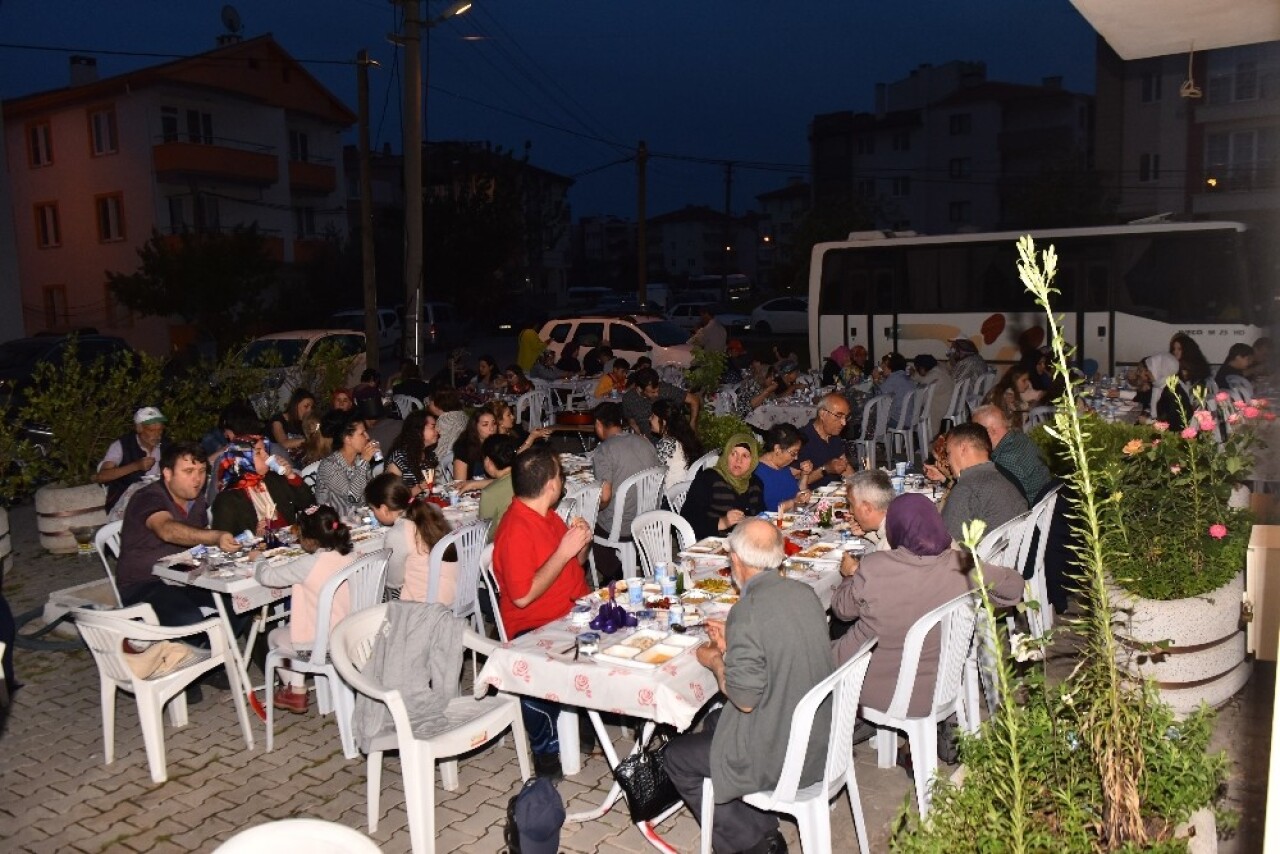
473 230
831 221
1063 194
218 282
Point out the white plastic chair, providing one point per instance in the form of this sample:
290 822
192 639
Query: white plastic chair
811 805
924 420
875 423
308 474
472 723
647 486
676 494
567 508
672 373
104 633
365 578
107 539
958 407
1037 416
904 433
299 834
405 404
652 534
710 458
491 587
954 624
535 406
589 504
469 543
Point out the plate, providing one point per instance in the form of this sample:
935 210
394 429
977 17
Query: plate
647 649
709 546
714 586
817 551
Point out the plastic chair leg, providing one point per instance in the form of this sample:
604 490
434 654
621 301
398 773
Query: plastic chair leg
324 693
108 720
344 702
270 666
814 820
178 709
373 788
886 748
521 739
150 716
449 775
922 735
418 771
708 814
855 805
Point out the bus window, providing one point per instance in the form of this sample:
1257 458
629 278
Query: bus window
921 291
846 281
954 291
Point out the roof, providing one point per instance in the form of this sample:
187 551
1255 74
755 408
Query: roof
996 91
1140 28
237 69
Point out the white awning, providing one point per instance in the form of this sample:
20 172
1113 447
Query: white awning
1136 29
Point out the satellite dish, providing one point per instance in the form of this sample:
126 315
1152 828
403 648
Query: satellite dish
231 19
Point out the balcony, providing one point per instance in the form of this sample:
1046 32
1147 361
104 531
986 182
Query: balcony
312 177
224 160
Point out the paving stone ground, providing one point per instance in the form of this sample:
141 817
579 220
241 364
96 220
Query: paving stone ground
56 795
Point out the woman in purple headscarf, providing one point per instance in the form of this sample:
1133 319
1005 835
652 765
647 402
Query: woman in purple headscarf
887 591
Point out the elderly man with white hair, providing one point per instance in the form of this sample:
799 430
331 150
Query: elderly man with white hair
769 653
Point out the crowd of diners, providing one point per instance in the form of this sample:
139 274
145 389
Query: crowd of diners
775 644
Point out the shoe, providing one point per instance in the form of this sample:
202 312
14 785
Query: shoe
862 732
193 694
289 700
587 741
217 678
548 765
905 763
772 842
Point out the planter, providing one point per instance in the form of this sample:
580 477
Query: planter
61 508
1205 661
6 544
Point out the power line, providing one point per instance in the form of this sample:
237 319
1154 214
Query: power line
154 55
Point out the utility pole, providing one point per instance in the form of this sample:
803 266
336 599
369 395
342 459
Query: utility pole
373 345
728 226
412 180
642 244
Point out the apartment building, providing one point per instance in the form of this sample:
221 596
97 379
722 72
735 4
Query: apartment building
698 241
239 135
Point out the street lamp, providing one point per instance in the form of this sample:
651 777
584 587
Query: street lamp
413 112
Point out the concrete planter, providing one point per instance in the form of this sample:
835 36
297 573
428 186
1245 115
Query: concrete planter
1205 661
61 508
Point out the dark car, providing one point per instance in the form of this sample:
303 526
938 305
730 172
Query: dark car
19 358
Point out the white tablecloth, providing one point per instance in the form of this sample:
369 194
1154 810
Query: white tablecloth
770 414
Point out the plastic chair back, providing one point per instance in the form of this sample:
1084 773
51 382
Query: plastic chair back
405 404
366 577
875 423
308 474
589 504
708 459
647 486
469 542
1037 416
957 407
676 494
491 587
655 544
954 621
107 539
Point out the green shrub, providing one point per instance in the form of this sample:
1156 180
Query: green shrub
714 430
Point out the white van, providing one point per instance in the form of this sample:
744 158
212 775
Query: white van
630 337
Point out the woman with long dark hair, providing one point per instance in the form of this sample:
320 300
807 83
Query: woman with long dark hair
468 451
416 526
678 445
413 455
286 428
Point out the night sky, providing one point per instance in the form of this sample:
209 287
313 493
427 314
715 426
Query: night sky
583 81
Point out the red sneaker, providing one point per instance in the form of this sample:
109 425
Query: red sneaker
290 701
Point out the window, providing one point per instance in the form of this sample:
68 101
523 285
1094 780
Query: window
960 212
1241 160
623 337
1246 81
1149 168
560 333
102 132
110 213
118 317
960 124
199 127
960 167
1151 87
902 140
304 220
39 144
902 186
865 188
48 232
169 124
54 299
864 144
298 146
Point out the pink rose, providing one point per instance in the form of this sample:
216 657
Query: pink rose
1160 426
1268 416
1206 425
1217 531
582 684
1239 404
1175 469
1201 414
1251 412
1257 401
1233 418
1222 397
1188 433
645 697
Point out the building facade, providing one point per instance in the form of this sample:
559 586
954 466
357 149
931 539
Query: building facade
699 241
241 135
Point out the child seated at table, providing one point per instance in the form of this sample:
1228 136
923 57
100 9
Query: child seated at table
327 542
416 526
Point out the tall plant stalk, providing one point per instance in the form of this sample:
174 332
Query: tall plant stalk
1112 719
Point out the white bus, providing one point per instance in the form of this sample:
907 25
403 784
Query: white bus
1125 291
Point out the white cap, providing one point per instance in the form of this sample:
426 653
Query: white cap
149 415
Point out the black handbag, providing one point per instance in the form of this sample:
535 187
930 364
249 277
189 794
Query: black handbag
643 779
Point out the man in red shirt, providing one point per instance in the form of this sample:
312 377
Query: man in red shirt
537 561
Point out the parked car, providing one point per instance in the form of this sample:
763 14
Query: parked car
626 304
389 330
286 361
630 337
19 358
782 316
442 326
687 315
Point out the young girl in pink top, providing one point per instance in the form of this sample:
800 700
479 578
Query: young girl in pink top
327 542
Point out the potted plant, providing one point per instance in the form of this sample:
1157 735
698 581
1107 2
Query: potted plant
1095 762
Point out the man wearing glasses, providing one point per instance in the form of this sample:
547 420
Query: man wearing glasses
823 449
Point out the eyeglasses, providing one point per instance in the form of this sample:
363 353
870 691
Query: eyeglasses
842 416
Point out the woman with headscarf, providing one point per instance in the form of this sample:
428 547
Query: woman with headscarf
723 496
528 348
887 591
256 491
833 369
1154 394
